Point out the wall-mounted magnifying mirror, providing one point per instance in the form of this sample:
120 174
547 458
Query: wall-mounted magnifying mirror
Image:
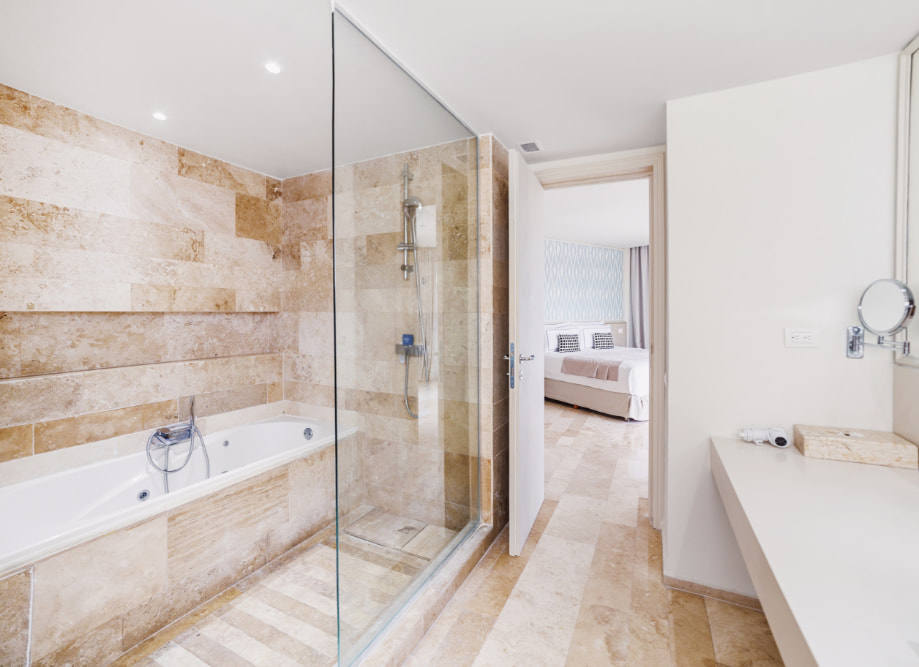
884 309
886 305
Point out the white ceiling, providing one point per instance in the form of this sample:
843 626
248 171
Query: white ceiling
584 77
607 214
581 77
201 62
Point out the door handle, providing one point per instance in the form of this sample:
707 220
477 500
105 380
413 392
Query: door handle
529 358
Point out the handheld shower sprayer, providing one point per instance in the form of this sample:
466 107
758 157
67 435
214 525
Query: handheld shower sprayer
410 214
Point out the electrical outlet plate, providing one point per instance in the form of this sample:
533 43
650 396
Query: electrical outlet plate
802 337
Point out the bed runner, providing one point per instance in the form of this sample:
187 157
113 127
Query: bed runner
600 369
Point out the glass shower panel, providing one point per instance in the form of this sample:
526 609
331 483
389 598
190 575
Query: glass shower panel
405 230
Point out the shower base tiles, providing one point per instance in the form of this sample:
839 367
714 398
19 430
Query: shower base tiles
285 614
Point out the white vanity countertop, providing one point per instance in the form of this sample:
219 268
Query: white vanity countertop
832 548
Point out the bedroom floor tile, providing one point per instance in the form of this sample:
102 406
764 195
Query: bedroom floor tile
616 609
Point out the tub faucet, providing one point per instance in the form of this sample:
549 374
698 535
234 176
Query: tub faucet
165 436
174 433
180 432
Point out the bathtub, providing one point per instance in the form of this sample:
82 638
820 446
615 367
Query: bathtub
44 516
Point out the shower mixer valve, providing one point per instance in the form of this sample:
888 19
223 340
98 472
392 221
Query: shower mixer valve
408 350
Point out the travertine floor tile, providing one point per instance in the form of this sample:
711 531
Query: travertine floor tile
465 641
609 583
601 637
177 656
649 639
741 636
577 518
209 652
691 634
429 542
624 616
169 633
385 529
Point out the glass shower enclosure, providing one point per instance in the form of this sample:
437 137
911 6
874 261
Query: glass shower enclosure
405 230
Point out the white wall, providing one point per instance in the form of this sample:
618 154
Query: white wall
780 211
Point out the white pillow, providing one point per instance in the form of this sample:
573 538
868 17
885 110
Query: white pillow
550 340
552 337
587 335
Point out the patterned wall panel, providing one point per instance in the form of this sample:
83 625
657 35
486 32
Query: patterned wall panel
583 282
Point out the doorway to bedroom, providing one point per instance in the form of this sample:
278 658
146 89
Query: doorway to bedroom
643 169
596 297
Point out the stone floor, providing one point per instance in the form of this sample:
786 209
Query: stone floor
285 614
587 590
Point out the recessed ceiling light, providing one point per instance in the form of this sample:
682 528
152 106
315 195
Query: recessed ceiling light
159 115
273 67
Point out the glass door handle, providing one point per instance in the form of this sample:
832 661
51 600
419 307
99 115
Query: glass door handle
529 358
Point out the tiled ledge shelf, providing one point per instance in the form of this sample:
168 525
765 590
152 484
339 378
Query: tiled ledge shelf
831 548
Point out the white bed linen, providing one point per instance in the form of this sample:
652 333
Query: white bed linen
634 374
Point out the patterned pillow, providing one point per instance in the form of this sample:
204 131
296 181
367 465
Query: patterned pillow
568 343
603 340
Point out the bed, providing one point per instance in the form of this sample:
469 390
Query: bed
613 380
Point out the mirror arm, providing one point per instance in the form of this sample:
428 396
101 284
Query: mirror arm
901 346
855 343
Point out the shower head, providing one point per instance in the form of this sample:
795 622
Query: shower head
412 202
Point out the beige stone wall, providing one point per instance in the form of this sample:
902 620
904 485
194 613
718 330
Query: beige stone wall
135 274
423 469
493 300
306 253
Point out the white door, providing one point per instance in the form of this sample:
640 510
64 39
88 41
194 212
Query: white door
525 354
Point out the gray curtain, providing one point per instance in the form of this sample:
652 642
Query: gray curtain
639 324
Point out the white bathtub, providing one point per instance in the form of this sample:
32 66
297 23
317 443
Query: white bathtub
43 516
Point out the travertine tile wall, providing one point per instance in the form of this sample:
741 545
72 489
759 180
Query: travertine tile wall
306 255
135 274
494 305
423 469
99 218
130 267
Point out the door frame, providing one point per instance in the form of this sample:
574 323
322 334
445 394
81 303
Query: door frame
627 166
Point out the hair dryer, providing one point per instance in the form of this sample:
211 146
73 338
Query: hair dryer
760 436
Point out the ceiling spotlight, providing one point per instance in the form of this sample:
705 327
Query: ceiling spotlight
159 115
273 67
